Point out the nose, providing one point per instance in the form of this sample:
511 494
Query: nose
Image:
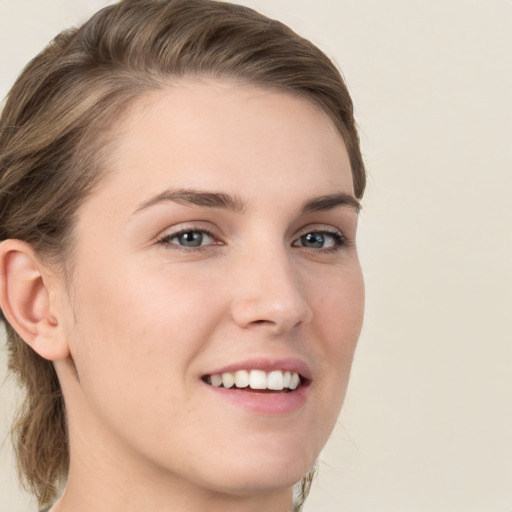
270 294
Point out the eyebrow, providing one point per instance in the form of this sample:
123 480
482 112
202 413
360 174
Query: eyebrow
236 204
331 201
197 198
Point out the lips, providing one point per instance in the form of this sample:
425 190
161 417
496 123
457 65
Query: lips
269 387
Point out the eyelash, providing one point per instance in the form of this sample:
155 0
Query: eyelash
339 240
166 240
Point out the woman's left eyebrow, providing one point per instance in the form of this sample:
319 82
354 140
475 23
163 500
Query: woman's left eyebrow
331 201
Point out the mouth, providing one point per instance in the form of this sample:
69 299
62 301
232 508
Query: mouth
266 386
257 381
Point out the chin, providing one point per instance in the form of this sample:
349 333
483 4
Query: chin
267 472
258 482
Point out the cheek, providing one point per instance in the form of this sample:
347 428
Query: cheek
134 345
140 332
340 311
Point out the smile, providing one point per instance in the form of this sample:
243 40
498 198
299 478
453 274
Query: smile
276 380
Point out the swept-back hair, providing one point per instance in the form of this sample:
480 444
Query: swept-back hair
54 137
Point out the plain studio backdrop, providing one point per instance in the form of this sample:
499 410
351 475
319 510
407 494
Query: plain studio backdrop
427 422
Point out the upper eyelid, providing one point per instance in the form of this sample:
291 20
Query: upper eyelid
217 234
184 231
189 230
185 227
332 233
341 239
174 234
165 240
320 228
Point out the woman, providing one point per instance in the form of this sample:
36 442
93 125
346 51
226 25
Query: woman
179 185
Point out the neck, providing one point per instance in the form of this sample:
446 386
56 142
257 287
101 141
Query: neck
78 497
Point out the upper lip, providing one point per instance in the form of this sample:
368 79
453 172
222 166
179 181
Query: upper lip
266 364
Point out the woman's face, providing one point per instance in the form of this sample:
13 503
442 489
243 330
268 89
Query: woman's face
220 246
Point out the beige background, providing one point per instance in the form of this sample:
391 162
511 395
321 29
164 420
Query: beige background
427 424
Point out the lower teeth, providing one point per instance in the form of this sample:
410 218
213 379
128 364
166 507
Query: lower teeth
264 390
285 390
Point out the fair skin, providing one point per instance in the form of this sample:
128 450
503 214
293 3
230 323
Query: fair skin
222 238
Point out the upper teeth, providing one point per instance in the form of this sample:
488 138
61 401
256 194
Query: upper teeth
256 379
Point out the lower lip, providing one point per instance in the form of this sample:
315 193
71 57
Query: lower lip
271 404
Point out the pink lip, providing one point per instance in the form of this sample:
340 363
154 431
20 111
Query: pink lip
270 404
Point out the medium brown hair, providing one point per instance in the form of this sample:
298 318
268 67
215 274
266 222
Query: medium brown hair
53 135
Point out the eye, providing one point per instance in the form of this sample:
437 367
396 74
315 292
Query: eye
321 240
190 238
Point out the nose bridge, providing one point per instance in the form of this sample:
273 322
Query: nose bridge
270 291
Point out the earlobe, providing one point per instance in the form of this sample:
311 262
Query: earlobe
25 300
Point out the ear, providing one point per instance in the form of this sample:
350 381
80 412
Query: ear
25 300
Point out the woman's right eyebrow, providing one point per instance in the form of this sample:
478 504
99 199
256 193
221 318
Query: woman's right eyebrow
196 197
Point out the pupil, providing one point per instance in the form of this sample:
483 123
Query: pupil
191 239
314 240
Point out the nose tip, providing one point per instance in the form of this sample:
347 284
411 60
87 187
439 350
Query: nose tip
275 300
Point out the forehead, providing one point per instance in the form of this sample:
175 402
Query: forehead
257 144
193 121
